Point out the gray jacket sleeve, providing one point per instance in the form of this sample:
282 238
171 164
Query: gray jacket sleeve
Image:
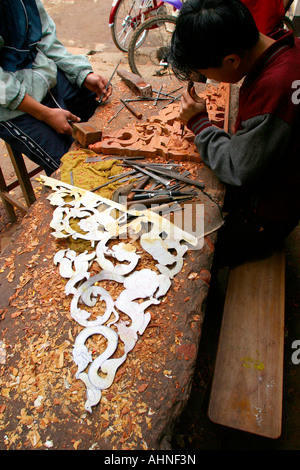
243 157
12 91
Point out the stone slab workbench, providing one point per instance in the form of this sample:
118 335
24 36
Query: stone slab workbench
41 402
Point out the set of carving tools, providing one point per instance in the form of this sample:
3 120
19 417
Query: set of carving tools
166 180
168 183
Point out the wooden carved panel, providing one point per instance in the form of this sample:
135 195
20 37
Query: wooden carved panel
161 135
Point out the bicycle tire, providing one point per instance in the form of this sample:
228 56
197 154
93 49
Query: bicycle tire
114 33
146 26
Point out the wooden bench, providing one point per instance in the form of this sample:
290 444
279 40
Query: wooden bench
23 180
247 384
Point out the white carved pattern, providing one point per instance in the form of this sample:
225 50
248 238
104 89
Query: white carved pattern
140 288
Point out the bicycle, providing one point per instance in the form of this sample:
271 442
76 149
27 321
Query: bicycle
149 47
127 15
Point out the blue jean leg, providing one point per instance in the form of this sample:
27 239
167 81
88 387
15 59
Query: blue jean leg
35 139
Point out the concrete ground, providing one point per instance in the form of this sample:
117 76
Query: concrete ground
82 25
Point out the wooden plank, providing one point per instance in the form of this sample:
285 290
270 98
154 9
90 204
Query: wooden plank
247 384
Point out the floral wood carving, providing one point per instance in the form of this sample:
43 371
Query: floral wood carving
161 135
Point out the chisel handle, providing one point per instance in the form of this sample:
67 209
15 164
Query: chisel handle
140 185
132 110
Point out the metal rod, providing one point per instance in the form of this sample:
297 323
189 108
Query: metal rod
158 200
167 94
162 180
165 191
178 177
176 89
146 98
109 82
148 195
165 166
182 130
116 178
116 114
171 101
159 91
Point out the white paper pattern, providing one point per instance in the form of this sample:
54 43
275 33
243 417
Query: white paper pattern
140 288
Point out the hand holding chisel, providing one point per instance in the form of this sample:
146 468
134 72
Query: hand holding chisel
191 104
189 87
97 83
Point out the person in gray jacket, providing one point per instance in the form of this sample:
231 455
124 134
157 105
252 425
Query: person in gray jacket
43 88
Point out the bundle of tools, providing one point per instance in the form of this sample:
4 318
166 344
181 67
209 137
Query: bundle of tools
167 181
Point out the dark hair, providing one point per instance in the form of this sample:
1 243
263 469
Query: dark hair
208 30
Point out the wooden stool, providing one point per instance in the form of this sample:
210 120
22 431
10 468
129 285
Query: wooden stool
23 180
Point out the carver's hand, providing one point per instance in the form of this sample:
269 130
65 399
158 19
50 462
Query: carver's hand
97 83
59 119
191 104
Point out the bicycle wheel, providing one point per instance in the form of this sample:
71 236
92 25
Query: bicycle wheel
149 57
128 16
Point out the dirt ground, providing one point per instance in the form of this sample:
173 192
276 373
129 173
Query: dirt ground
82 25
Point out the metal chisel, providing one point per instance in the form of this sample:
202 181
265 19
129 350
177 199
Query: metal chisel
164 193
109 82
178 176
164 181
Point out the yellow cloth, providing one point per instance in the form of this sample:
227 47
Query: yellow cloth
89 175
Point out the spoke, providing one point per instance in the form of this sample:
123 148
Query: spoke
148 55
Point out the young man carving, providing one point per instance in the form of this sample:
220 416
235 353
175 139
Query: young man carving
259 164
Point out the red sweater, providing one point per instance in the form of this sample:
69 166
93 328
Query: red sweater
268 14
